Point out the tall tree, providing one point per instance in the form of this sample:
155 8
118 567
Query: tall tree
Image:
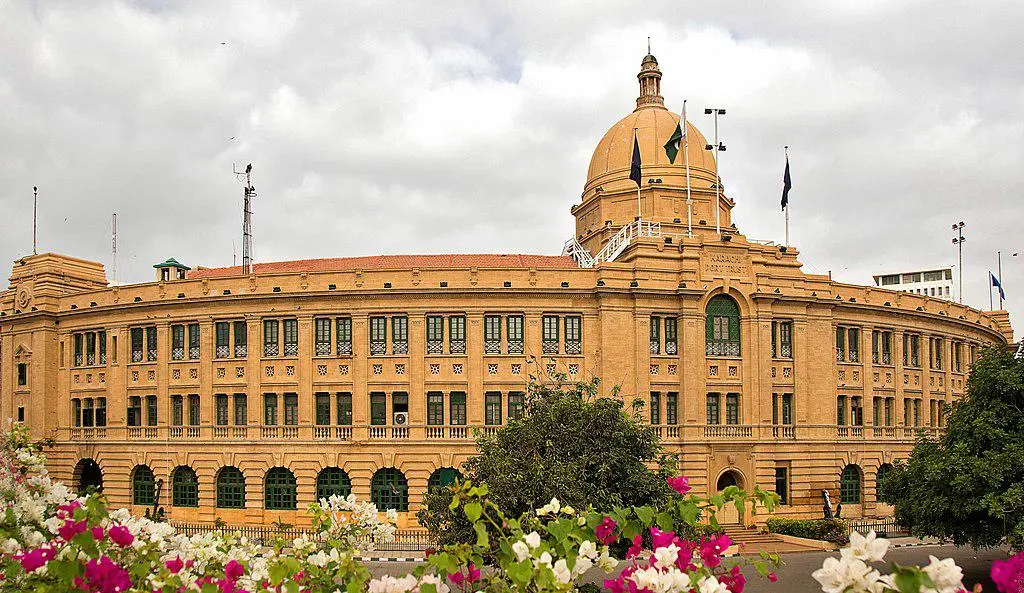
570 444
968 485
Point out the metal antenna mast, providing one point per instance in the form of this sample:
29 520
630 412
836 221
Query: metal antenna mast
113 246
249 194
35 210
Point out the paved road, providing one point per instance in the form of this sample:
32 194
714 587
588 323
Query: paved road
795 576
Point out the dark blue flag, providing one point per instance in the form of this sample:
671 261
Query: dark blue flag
997 284
634 167
787 183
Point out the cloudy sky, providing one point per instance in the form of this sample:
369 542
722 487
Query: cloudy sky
428 127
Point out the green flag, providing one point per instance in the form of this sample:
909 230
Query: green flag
673 144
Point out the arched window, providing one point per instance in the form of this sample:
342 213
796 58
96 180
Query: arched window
279 490
88 476
184 487
331 481
849 485
443 477
230 488
389 490
722 330
883 470
729 478
143 486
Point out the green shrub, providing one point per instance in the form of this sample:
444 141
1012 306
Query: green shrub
829 530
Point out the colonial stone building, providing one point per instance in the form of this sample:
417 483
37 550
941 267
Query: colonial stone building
214 393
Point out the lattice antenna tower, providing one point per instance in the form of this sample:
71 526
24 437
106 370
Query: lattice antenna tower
249 192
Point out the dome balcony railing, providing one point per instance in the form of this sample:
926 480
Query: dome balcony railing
615 246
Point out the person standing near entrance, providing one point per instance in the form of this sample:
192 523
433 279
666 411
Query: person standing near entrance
839 509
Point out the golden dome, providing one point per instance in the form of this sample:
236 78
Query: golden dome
654 126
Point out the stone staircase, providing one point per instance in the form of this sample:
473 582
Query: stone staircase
752 541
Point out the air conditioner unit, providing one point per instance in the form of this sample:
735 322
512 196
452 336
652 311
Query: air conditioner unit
401 418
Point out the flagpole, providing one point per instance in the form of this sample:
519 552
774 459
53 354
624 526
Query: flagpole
990 307
35 209
787 203
686 152
999 264
639 215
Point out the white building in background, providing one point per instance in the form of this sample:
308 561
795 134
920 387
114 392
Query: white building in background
934 283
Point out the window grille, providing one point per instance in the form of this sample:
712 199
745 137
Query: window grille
573 335
184 487
492 334
271 339
722 331
143 486
457 334
344 336
230 488
279 490
390 490
514 334
549 345
333 481
399 335
323 337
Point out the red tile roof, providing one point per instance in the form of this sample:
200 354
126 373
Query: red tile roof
395 262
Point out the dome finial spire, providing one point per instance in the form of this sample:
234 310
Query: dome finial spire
650 81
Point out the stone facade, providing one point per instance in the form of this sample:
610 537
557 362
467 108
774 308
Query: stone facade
789 399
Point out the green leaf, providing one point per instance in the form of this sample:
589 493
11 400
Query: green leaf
278 572
482 541
520 572
645 514
665 522
428 588
473 511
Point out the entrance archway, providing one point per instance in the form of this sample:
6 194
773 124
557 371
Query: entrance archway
88 476
728 478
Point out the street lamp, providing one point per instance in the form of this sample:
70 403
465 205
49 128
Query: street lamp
958 240
717 147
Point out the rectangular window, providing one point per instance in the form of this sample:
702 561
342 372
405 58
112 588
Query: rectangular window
841 410
241 340
21 413
853 345
840 344
400 402
876 410
655 335
103 347
713 416
856 411
514 333
177 410
79 360
270 409
193 341
76 412
22 374
457 414
241 409
194 410
435 334
90 348
290 329
550 334
573 335
344 417
516 405
782 339
457 334
134 411
323 409
291 409
435 408
137 344
732 408
87 413
492 408
917 412
492 334
344 336
271 338
782 484
101 411
890 403
151 410
378 409
322 342
906 412
177 342
150 344
787 409
378 335
672 409
223 339
671 336
937 347
399 335
221 402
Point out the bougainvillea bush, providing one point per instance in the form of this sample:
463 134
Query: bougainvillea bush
53 540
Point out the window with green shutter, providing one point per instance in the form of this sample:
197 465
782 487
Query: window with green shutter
151 344
193 341
492 334
399 335
290 328
732 408
177 342
230 488
344 403
271 338
573 334
849 485
184 487
332 481
177 410
270 409
389 490
241 409
378 409
435 334
279 490
435 408
322 342
241 339
344 336
549 335
516 405
722 328
713 416
378 336
443 477
221 400
655 331
291 409
457 334
514 333
655 408
457 415
672 409
671 336
137 345
151 410
492 408
143 486
223 339
323 409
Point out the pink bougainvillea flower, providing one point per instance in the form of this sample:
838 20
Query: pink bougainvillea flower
103 575
712 548
473 573
661 539
33 559
233 570
684 561
733 580
773 577
120 535
97 533
680 484
636 548
70 529
1008 575
174 565
457 578
605 531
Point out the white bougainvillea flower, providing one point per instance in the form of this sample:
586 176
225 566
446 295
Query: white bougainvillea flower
532 539
947 576
867 548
